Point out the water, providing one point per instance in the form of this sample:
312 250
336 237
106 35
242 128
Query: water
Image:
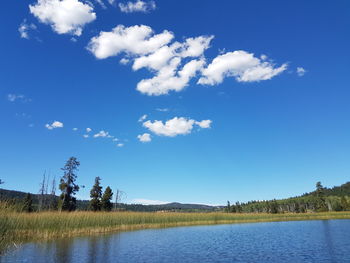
302 241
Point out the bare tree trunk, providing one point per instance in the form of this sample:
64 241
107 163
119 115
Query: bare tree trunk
41 192
118 197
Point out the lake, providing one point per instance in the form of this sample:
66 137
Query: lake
296 241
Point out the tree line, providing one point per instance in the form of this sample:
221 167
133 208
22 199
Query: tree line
320 200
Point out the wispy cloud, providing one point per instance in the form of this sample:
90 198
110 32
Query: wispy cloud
25 28
301 71
102 134
162 109
17 97
142 118
138 6
148 202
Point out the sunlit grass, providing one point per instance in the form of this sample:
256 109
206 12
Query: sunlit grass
47 225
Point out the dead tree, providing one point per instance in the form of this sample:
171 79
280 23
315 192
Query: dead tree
119 195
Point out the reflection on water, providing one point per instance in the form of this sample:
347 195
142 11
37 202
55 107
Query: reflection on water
329 240
304 241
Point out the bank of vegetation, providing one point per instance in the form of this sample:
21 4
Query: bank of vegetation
20 227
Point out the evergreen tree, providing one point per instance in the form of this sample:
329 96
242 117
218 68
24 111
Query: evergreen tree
228 207
274 207
320 204
344 203
96 194
106 199
68 186
28 203
238 207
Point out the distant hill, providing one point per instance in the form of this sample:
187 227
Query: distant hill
84 204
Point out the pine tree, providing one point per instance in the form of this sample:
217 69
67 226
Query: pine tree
68 186
344 203
106 199
28 203
228 207
96 194
320 198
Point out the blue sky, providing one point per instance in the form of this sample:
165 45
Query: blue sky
241 100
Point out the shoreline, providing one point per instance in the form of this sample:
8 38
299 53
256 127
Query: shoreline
52 225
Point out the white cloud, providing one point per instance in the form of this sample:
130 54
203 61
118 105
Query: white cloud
204 123
154 52
169 78
175 126
120 144
86 135
25 28
75 129
146 137
20 97
162 109
241 65
142 118
166 63
134 40
124 61
148 202
54 125
101 3
138 6
301 71
64 16
88 130
102 134
174 64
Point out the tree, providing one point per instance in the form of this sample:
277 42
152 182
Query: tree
106 199
238 207
274 207
118 197
96 194
320 199
53 201
42 193
68 186
344 203
228 207
28 203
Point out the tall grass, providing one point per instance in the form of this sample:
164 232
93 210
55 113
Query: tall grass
20 227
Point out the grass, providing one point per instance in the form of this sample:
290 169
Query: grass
20 227
17 227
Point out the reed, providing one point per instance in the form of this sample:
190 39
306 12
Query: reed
20 227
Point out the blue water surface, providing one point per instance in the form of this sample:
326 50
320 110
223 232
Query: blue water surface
301 241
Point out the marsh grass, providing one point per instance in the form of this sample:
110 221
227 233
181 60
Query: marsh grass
18 227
